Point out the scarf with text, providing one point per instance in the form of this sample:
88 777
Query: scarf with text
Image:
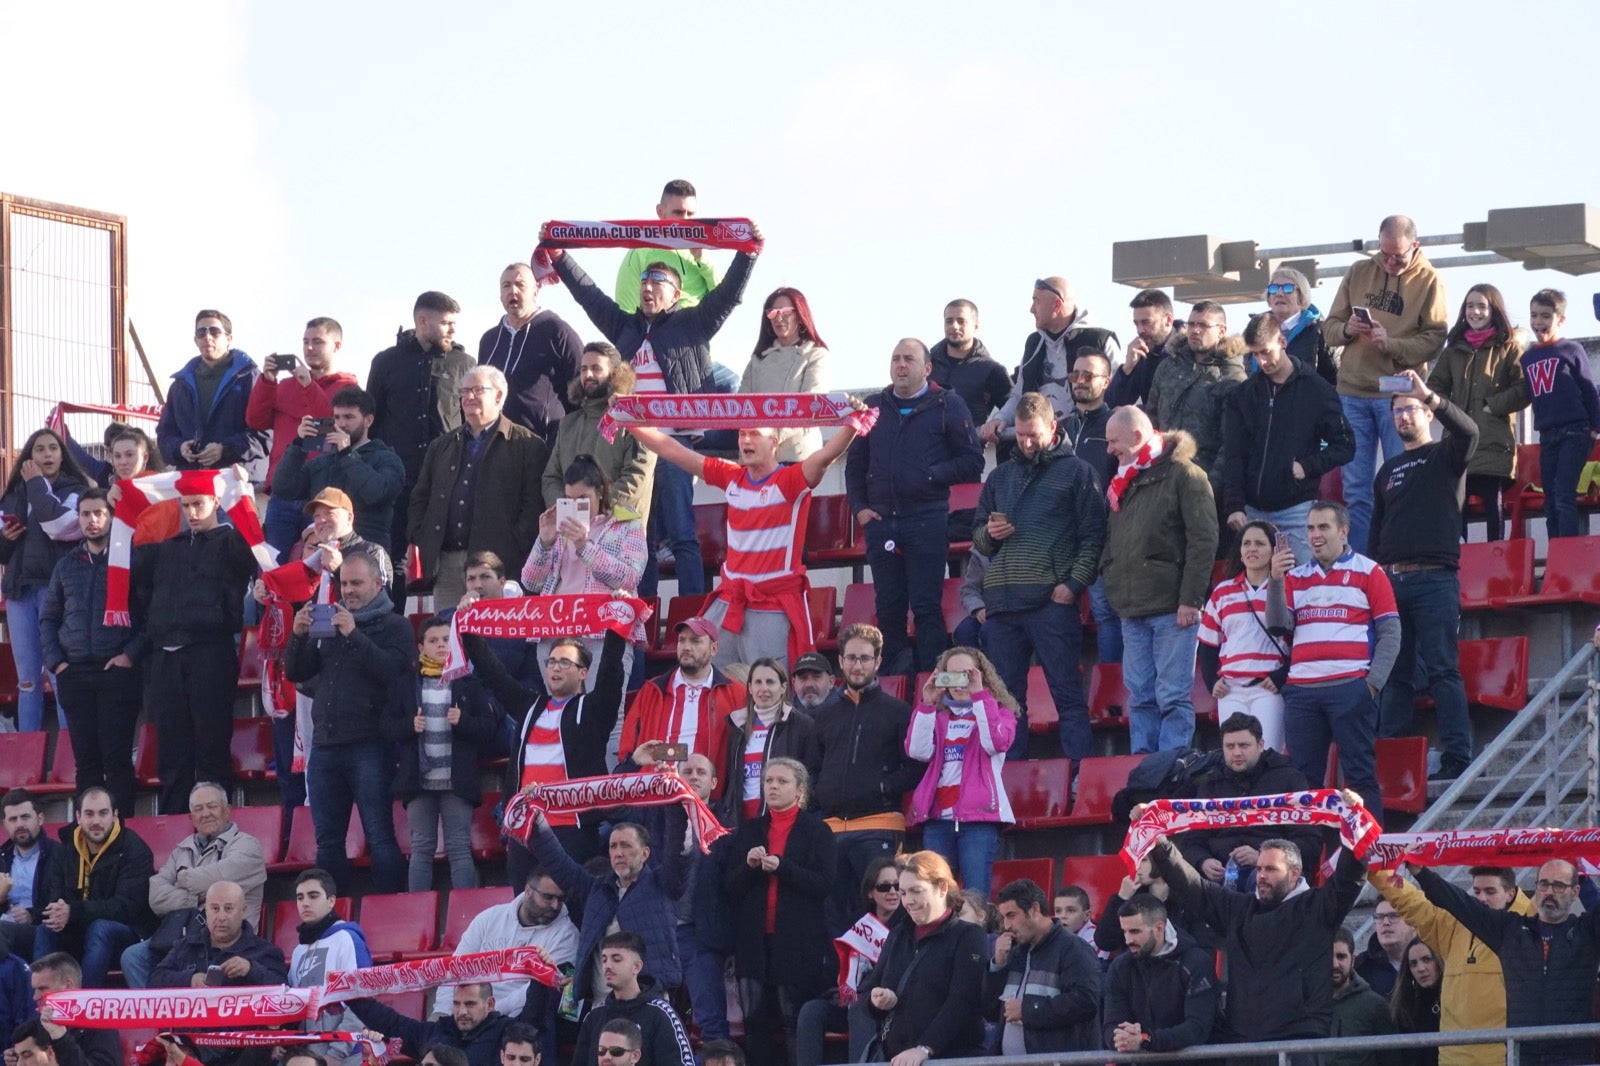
1143 460
730 234
234 495
258 1006
293 582
858 948
1485 847
1317 807
371 1050
749 410
582 794
538 618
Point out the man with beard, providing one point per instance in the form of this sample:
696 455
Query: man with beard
689 705
1041 519
1279 942
634 996
1416 525
535 349
1085 429
1043 984
1161 994
1190 390
1152 321
347 458
1357 1009
538 917
964 366
811 681
25 860
601 375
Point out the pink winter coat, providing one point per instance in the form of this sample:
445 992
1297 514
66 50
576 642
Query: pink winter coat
983 795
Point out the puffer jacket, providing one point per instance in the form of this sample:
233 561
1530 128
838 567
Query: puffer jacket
978 379
908 462
71 622
1161 543
51 516
224 422
195 953
1191 389
191 588
983 796
1059 511
116 888
1484 382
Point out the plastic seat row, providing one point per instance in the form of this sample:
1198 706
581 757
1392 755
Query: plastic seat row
405 925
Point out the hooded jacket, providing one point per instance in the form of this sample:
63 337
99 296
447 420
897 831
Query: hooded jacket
1411 308
1486 383
417 395
72 625
1190 391
1059 512
540 361
666 1041
979 379
370 473
1267 428
863 768
1058 981
277 407
1030 375
1172 995
1359 1011
1306 343
983 796
1272 774
1161 543
194 953
907 464
115 888
224 422
630 465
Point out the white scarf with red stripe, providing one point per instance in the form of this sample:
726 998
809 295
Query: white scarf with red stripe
234 495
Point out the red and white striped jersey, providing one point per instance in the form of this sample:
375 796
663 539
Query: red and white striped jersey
766 519
647 369
1234 622
1333 616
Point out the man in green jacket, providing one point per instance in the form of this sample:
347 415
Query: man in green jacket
601 375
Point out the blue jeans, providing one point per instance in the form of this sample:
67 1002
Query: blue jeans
672 513
22 620
702 976
338 775
137 962
1430 620
1055 631
1563 451
855 851
1107 625
1158 669
103 943
1343 713
970 848
1373 427
1290 521
909 577
283 523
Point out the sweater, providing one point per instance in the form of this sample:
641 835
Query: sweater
1558 382
1416 499
497 928
417 395
326 947
276 407
978 378
1058 981
630 465
370 473
1411 308
799 367
1487 384
1268 427
916 451
1160 545
540 362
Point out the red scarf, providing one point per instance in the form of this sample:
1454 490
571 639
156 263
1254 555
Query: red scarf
732 234
1321 807
1485 847
749 410
1479 337
863 941
582 794
1143 460
538 617
371 1050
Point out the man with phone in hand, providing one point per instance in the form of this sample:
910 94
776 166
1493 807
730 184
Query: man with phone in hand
1416 537
337 451
225 951
203 424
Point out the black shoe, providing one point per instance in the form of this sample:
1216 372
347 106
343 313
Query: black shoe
1449 770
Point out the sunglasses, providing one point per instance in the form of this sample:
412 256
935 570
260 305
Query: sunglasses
614 1052
887 886
1041 283
779 312
208 331
1280 286
658 275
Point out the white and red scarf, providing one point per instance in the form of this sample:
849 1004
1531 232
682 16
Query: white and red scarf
293 582
735 410
1486 847
1358 830
267 1005
233 494
582 794
731 234
538 618
858 948
371 1050
1143 460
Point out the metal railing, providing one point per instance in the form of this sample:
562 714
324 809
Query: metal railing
1280 1050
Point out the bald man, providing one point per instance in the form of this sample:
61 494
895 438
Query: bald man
1161 537
536 350
226 951
1061 329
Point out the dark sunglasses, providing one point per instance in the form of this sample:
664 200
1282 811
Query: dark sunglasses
1045 285
887 886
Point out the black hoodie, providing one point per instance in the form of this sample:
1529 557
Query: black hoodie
666 1042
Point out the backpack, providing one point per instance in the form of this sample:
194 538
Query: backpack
1172 774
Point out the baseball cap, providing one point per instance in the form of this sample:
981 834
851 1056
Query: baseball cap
699 626
330 497
813 660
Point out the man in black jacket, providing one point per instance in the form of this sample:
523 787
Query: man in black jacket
474 1025
640 999
59 972
191 588
96 678
1282 430
348 676
99 894
1161 994
1156 338
1085 429
347 458
225 951
964 366
1044 982
25 860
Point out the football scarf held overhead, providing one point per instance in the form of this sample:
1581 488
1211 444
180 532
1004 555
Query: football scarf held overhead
726 234
540 618
733 410
1485 847
234 496
1315 807
583 794
257 1006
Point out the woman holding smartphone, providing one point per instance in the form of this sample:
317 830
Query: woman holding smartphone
1245 666
962 727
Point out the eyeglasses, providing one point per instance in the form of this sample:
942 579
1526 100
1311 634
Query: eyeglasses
1191 324
780 312
1280 286
1553 886
658 275
887 886
566 664
550 897
1041 283
1410 410
614 1052
858 660
477 390
208 331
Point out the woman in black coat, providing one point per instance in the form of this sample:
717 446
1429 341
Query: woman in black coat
779 875
767 728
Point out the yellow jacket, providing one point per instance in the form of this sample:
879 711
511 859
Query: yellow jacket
1474 993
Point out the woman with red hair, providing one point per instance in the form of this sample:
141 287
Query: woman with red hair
789 356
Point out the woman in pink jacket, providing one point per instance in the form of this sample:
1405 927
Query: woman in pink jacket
962 731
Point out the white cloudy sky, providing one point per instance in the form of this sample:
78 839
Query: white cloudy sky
287 160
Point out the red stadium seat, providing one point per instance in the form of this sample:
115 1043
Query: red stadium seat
711 525
893 685
286 922
251 749
1403 773
652 625
831 535
1495 672
416 621
1108 696
251 660
1040 791
1004 871
146 763
822 603
1098 781
466 904
399 926
301 854
1098 875
679 610
162 832
860 605
9 691
1205 704
1493 572
1571 575
61 779
963 497
22 759
950 603
263 823
486 843
1525 497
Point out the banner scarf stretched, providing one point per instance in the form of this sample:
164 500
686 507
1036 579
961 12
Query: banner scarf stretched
539 617
730 234
267 1005
1485 847
234 495
1358 830
754 410
371 1049
583 794
293 582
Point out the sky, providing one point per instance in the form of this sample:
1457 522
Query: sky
288 160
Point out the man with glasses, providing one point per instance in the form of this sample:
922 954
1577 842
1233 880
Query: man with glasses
478 488
621 1043
1549 957
538 918
1380 964
203 424
1190 388
1389 315
1416 537
1061 329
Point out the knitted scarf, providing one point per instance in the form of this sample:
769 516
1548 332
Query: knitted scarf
778 410
733 234
1143 460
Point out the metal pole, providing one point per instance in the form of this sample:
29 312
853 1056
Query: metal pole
1591 699
1352 247
1513 1052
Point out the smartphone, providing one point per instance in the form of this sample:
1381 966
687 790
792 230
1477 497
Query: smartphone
672 752
1394 383
577 510
11 521
286 363
322 625
1283 542
950 679
214 976
1362 313
324 426
1001 515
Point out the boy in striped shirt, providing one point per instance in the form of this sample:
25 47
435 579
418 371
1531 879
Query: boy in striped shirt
1341 612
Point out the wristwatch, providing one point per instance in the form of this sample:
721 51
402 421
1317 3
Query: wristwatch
926 1050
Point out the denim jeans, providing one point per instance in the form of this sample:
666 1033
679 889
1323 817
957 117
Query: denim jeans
283 523
1158 670
1430 620
1563 451
137 962
1343 713
672 514
1055 631
1107 625
855 851
22 622
909 576
1290 521
102 708
339 775
102 945
1373 427
969 847
702 977
424 812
